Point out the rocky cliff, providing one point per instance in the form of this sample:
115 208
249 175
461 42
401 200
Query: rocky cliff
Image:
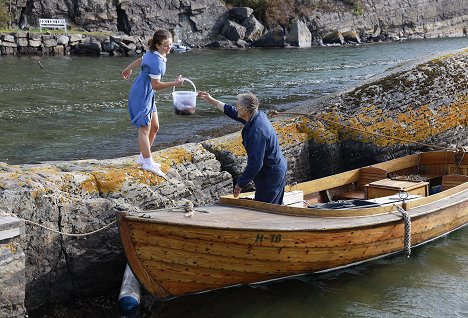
72 245
199 22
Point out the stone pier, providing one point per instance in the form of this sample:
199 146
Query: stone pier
12 267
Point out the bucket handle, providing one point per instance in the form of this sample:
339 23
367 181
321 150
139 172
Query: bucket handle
186 79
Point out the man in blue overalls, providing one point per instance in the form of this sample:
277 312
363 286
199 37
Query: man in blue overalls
266 165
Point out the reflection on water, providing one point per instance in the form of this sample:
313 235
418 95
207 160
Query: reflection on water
431 283
75 107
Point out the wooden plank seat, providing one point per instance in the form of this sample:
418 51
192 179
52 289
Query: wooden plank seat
366 176
452 180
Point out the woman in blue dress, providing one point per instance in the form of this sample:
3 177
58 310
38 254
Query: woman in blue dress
266 165
141 99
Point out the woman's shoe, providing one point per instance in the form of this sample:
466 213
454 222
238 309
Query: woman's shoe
154 168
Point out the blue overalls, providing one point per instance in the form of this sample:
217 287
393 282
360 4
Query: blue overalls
266 165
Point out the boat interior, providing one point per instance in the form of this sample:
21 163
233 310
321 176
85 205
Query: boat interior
422 178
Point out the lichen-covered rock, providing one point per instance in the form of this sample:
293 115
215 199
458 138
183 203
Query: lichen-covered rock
294 144
72 245
419 105
85 196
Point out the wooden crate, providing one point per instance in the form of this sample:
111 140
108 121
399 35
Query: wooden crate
386 187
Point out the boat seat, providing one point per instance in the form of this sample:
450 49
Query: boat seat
366 176
452 180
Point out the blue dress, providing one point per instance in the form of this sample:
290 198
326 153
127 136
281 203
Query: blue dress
141 102
266 165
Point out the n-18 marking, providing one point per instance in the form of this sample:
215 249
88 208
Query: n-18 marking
274 238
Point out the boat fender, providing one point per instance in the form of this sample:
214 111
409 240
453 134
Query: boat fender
129 297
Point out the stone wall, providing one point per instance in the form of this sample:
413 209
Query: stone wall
17 43
199 22
423 104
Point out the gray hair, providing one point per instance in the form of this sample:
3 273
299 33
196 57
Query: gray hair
248 101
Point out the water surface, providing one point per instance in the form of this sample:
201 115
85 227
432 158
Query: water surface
76 107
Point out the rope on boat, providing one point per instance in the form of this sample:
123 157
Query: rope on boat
188 207
407 220
69 234
274 113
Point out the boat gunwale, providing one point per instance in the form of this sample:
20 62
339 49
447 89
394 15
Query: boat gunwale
374 220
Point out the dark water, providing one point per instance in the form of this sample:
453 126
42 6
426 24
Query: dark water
75 107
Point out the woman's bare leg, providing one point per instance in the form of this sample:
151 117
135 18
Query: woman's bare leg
144 141
154 128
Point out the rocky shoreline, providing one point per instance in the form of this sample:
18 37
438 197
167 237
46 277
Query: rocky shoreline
232 28
33 43
424 102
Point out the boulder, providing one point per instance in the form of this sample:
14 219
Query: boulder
22 42
239 14
253 28
76 37
49 42
87 49
334 37
233 31
34 43
273 38
299 35
7 44
351 37
21 34
128 39
34 36
8 38
63 39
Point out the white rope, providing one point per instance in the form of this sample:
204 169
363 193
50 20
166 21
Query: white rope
69 234
407 236
187 207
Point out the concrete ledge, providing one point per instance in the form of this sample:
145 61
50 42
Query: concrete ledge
10 227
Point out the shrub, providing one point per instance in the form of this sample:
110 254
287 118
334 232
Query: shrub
272 12
4 14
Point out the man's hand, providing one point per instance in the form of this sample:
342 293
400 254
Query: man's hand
236 191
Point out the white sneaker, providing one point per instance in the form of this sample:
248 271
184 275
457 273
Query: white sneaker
154 168
140 160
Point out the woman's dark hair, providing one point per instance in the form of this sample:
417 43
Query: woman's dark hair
158 37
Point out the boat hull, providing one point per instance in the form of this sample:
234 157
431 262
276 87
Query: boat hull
178 258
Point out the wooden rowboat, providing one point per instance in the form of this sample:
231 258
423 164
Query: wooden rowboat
241 241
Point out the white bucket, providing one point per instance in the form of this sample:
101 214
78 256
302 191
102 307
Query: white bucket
185 102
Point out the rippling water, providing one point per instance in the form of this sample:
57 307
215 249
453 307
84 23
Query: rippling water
75 107
432 283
